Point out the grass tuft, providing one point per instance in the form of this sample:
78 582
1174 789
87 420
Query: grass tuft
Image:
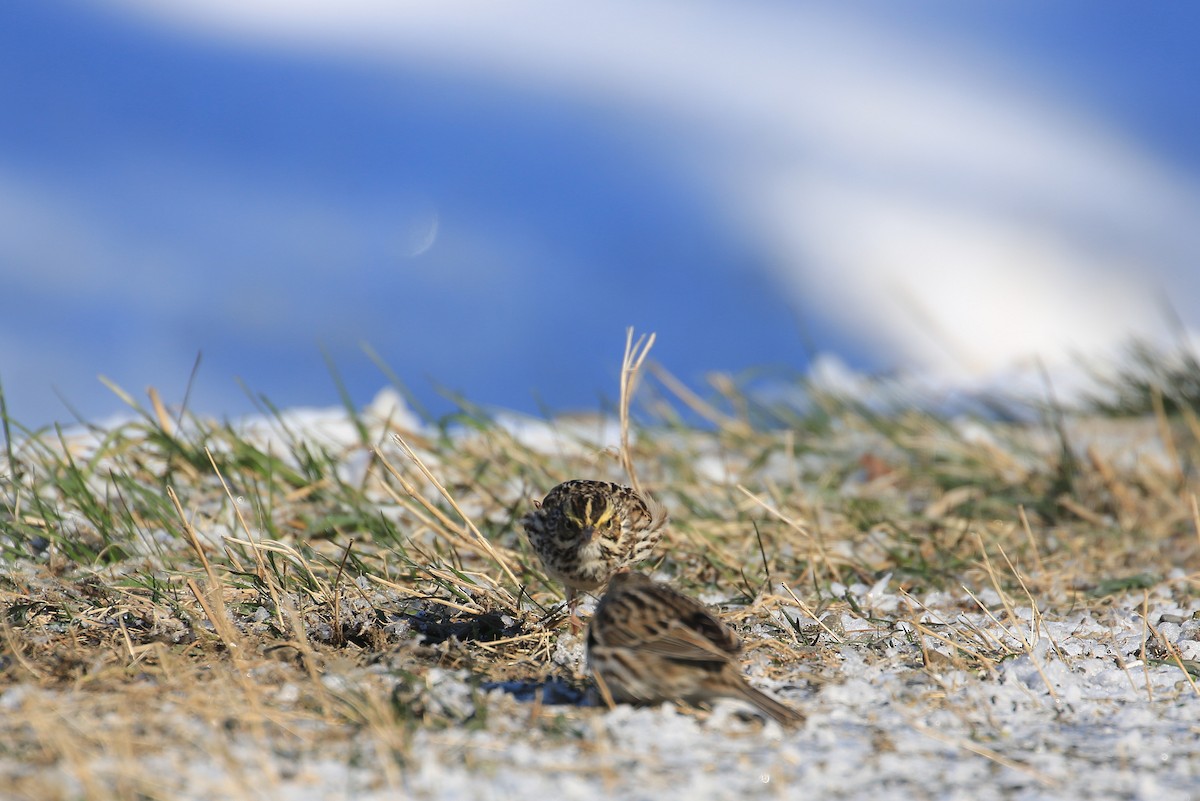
353 580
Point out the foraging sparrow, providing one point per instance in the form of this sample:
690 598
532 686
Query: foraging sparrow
648 643
584 531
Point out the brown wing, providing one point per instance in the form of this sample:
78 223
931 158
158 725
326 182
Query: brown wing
684 644
642 614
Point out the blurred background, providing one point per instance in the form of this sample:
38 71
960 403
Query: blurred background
489 194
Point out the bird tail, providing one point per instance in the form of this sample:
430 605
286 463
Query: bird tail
782 714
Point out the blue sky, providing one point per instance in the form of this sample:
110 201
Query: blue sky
490 197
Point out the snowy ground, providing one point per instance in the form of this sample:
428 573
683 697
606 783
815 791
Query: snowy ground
1080 714
1065 687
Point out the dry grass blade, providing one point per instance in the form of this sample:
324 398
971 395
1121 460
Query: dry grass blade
13 647
808 611
1195 509
433 518
1164 431
1145 639
192 539
308 656
694 402
631 365
1033 546
817 553
1175 656
425 596
1012 615
914 621
217 618
212 599
483 542
283 548
160 411
792 522
1035 611
264 575
605 693
1125 501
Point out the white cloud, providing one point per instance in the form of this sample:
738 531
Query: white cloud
922 192
954 289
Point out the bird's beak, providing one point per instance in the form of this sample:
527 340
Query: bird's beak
588 533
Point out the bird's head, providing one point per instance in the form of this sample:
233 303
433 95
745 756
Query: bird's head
589 512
